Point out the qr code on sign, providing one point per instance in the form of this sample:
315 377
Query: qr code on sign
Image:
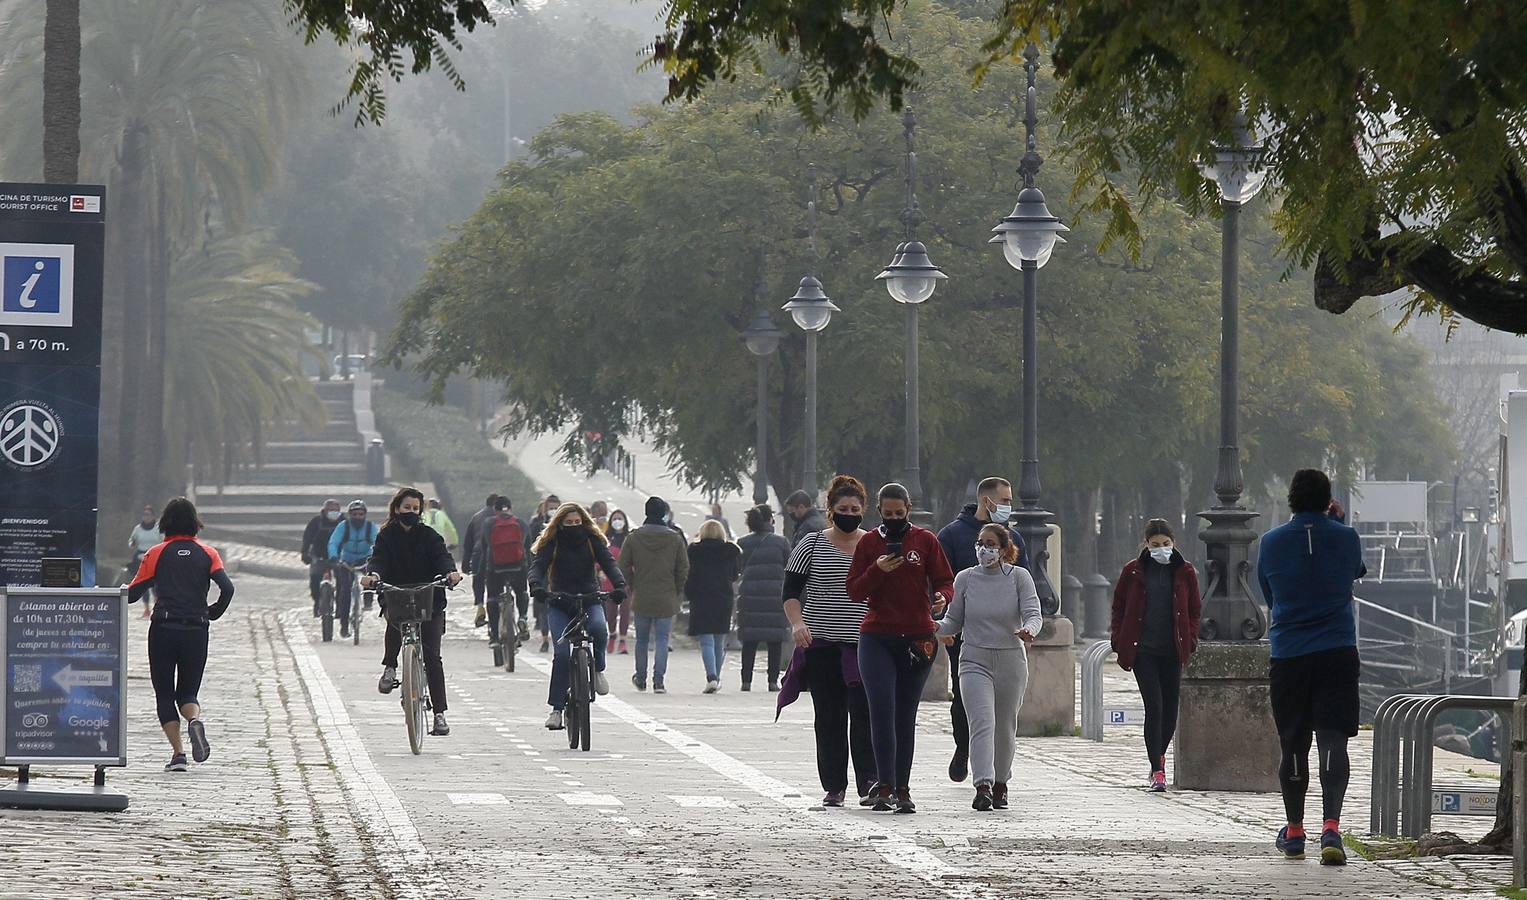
26 679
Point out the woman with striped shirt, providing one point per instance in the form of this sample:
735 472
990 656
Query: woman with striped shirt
824 623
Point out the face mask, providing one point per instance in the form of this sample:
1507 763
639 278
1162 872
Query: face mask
569 532
1162 555
618 524
332 515
846 523
1002 513
409 519
987 556
895 528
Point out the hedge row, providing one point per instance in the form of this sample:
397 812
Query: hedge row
443 445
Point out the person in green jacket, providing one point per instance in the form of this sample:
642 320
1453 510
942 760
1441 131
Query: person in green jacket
436 518
655 563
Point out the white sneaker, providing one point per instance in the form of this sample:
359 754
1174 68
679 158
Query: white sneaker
712 686
554 721
601 686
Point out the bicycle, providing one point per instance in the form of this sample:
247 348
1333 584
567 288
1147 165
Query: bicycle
407 607
580 686
326 600
509 635
359 596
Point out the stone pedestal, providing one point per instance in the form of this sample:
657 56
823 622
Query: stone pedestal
1519 794
1049 704
1226 740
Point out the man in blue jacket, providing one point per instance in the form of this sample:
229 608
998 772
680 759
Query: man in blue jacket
350 543
1306 569
994 503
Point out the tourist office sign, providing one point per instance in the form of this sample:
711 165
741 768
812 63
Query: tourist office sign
52 260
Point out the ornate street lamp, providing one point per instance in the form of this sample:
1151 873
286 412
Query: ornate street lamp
1230 610
910 280
1028 237
762 339
811 311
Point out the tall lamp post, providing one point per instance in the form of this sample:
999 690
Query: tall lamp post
1028 237
811 310
910 279
1230 610
762 339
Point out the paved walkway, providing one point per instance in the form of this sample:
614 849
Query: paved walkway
312 792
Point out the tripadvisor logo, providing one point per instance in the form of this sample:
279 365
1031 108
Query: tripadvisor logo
30 435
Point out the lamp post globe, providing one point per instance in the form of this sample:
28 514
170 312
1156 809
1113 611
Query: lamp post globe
1236 169
911 277
761 337
1030 234
810 307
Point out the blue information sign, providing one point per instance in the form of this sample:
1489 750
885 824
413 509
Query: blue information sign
65 662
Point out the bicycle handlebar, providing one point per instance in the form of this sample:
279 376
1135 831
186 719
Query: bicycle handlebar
440 582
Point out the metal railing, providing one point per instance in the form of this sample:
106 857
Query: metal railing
1095 716
1402 642
1401 803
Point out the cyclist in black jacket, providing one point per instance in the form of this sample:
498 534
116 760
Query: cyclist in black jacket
408 552
181 571
566 555
315 546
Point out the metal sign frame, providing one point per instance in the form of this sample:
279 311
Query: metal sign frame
5 674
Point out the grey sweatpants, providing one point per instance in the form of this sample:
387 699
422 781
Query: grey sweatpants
992 683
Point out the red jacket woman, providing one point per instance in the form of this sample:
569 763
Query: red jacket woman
1129 608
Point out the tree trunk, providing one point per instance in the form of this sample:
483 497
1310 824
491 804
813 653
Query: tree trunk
160 481
128 236
61 92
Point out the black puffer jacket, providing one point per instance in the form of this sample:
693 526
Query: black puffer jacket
405 556
713 567
760 614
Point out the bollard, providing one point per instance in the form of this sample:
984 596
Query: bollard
1071 601
376 462
1098 604
1519 794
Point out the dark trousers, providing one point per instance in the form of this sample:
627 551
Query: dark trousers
841 720
750 653
177 657
479 586
957 705
316 570
893 686
1159 676
430 633
343 578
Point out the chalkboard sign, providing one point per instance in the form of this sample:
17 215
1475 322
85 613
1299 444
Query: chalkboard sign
65 666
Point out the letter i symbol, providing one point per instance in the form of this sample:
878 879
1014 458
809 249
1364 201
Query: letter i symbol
27 301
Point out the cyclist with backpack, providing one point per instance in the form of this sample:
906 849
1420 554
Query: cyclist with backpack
350 543
568 556
501 556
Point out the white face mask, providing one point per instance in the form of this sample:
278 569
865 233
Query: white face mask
987 556
1162 555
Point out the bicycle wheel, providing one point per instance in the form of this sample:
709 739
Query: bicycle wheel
413 696
578 731
355 615
498 644
326 609
508 633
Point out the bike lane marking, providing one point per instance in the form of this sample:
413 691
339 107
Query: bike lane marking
412 868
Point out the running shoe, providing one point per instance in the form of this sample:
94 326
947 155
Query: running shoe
712 686
524 627
638 682
983 800
389 680
885 799
833 799
904 804
344 631
1158 782
623 646
177 763
441 728
959 766
482 617
657 687
773 685
999 795
1332 851
609 646
554 721
545 643
200 749
1290 847
601 684
871 796
747 686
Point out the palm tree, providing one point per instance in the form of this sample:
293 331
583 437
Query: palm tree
185 114
61 93
237 335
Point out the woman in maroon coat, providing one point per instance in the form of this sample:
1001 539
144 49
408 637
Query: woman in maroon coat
1156 607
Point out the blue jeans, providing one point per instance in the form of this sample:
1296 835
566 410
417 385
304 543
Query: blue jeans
644 628
599 633
713 652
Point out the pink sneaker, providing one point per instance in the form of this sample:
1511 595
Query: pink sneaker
1158 782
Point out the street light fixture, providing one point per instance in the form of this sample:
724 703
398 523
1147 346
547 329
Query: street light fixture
762 339
811 310
1236 170
910 279
1028 237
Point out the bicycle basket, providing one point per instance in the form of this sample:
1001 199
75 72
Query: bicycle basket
409 604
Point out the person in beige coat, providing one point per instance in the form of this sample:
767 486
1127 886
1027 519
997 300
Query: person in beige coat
655 563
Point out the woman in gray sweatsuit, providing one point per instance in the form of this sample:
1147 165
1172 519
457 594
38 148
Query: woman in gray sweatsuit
996 608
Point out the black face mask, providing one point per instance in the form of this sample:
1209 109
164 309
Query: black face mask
846 523
895 528
409 519
570 533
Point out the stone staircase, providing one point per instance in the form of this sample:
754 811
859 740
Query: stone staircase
269 506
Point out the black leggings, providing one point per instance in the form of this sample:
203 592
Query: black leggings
177 657
750 653
840 720
430 632
1159 676
893 687
1294 773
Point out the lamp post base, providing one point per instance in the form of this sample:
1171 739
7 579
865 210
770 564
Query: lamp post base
1033 524
1231 612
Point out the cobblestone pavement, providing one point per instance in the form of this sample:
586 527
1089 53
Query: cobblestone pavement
312 792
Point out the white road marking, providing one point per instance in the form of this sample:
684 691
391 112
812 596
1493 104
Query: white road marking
477 799
411 868
584 798
689 802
